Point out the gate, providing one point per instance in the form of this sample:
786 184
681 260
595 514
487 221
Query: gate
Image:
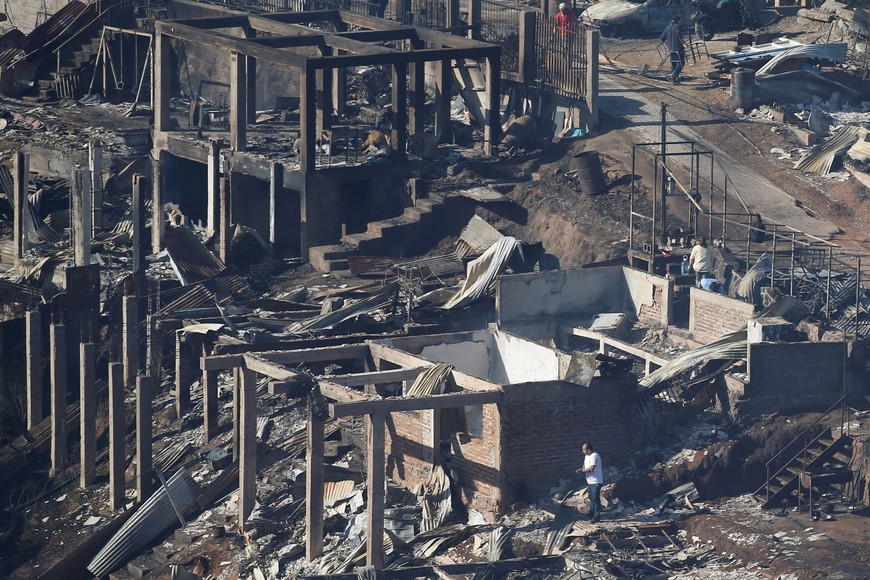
560 57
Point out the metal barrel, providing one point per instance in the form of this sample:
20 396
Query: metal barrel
589 174
742 88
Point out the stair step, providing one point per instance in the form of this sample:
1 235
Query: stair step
337 266
142 566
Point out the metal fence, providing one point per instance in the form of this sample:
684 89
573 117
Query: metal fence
560 57
500 24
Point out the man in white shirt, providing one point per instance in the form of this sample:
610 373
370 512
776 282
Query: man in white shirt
701 260
594 479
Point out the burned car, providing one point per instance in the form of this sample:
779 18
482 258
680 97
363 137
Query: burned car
628 19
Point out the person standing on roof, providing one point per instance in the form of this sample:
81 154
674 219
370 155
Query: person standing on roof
672 37
566 26
594 479
701 260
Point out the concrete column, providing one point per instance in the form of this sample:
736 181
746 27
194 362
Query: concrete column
95 165
144 460
130 338
138 225
403 9
417 116
224 236
57 349
375 429
453 14
210 401
433 438
182 375
237 419
212 215
474 18
158 220
80 217
20 178
528 19
33 362
248 447
593 40
324 95
238 105
251 87
162 82
88 413
443 95
314 487
339 87
153 348
492 104
400 110
117 434
307 117
276 179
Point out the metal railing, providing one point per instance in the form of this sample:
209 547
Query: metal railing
500 24
805 435
560 57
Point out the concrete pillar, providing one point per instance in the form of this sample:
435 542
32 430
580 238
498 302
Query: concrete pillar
593 41
144 462
417 115
224 236
95 165
324 95
212 215
57 349
433 438
492 104
453 15
307 117
210 401
400 110
80 216
248 447
138 225
474 18
182 374
339 87
403 11
443 95
88 413
375 429
130 338
117 434
238 105
251 87
158 220
152 345
276 179
20 178
528 20
314 487
162 82
33 362
237 396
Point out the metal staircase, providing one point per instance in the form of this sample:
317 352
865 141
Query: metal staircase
815 450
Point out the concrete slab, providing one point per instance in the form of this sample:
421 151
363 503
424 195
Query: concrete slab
762 196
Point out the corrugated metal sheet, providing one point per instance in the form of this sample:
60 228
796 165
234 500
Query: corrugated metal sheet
191 260
335 490
819 158
10 46
224 288
373 265
477 236
444 265
834 52
60 26
481 193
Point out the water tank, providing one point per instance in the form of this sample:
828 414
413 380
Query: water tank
742 89
589 174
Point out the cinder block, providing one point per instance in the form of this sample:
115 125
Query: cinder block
807 138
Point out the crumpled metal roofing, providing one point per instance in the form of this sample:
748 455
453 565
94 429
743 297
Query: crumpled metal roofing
833 52
819 158
325 321
191 260
203 294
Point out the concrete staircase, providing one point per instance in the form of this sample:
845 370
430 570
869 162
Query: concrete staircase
782 487
77 60
383 237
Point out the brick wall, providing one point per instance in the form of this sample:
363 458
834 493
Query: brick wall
650 296
652 313
712 315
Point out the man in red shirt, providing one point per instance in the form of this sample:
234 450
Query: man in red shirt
566 26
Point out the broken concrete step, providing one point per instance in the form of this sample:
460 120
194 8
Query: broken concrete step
165 551
320 256
143 565
121 574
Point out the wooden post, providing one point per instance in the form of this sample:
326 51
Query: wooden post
157 218
21 177
138 225
224 235
95 164
492 105
117 433
248 447
593 41
88 413
212 214
400 110
162 82
130 338
276 179
314 487
144 461
182 375
307 117
210 401
57 339
443 96
417 116
375 429
238 106
528 20
33 361
251 88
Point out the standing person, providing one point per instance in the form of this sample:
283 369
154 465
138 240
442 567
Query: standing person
566 26
594 479
701 260
671 36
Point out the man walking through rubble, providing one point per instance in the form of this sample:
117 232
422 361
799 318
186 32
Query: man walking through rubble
672 38
594 479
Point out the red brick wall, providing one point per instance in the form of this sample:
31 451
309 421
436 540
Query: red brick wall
651 314
712 315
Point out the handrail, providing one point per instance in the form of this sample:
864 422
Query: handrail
839 402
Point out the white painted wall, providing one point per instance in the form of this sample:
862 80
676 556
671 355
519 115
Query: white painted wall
470 357
516 360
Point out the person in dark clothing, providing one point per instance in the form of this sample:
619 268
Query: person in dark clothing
671 36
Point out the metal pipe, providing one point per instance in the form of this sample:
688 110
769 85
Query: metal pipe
828 292
748 240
